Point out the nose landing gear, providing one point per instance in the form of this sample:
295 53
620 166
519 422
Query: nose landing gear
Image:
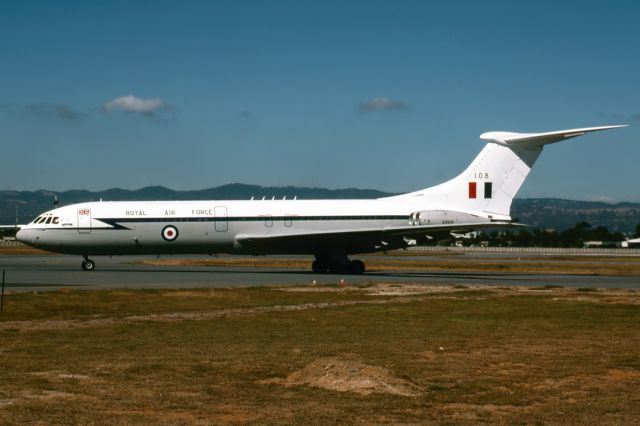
88 264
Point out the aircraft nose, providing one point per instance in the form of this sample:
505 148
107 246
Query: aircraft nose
24 236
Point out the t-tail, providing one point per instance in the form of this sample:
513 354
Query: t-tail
492 180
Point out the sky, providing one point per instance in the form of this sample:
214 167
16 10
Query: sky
388 95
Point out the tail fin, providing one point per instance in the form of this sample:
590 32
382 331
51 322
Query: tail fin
494 177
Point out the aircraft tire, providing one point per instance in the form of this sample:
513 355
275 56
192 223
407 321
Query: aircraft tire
317 267
88 265
356 267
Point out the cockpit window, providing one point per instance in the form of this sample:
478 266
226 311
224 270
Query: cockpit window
46 220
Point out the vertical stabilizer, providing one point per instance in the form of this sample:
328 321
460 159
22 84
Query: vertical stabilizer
495 176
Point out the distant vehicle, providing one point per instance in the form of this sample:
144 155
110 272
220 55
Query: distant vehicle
331 230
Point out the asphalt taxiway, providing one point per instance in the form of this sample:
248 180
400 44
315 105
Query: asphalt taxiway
38 273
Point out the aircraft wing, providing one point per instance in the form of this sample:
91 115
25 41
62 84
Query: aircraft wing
355 240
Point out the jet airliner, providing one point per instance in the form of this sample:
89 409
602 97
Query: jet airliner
330 230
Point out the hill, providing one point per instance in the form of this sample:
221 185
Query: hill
538 212
555 213
32 203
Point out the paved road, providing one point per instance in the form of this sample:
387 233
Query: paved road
31 273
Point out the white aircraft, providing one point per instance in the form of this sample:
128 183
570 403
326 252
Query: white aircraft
331 230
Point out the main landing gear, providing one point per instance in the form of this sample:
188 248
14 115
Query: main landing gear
337 265
88 264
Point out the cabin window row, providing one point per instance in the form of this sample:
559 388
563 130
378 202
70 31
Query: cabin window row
266 217
290 218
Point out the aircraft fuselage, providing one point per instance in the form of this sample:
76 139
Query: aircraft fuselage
480 197
190 227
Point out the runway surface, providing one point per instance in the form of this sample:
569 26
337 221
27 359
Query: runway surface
38 273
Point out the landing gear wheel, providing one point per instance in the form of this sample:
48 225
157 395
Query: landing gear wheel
338 268
88 265
356 267
318 267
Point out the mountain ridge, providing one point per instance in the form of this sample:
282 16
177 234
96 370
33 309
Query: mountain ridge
545 213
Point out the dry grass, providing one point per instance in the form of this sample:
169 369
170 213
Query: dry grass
346 375
20 250
628 266
383 353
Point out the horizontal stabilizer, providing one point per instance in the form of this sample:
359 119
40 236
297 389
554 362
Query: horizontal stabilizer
539 139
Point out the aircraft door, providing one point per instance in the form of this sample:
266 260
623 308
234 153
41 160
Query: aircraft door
84 221
222 225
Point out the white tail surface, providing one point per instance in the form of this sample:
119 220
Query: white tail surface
493 179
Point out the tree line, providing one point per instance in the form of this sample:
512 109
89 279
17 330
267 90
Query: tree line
575 236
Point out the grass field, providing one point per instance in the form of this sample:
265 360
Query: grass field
20 250
321 355
439 261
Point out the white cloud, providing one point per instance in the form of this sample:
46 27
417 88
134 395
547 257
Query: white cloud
382 104
130 103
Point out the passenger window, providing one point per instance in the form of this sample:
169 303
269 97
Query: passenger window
48 221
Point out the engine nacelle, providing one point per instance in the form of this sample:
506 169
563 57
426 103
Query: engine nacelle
442 217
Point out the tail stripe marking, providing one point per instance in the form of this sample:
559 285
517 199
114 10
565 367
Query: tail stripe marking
488 187
472 189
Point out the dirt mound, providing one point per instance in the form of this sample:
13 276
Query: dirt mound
344 375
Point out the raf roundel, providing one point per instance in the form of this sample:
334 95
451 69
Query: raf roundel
169 233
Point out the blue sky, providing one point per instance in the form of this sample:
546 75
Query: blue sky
390 95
